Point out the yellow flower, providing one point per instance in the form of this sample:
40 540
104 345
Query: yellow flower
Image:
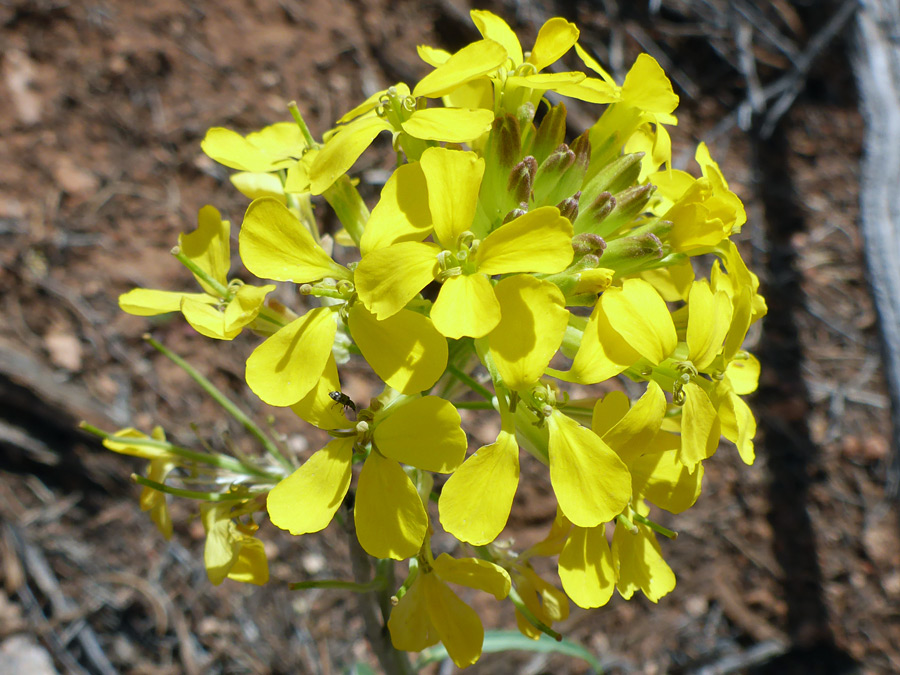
703 211
231 550
404 350
414 128
496 67
391 521
388 278
646 103
639 563
628 323
222 310
430 611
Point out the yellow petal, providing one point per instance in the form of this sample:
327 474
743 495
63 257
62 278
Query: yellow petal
456 623
245 305
388 278
276 245
207 320
342 150
251 565
317 407
433 56
591 483
602 354
149 302
738 425
640 565
590 90
307 500
142 451
709 319
390 519
267 150
492 27
153 500
410 626
476 500
544 81
532 324
450 125
630 435
424 433
208 247
593 64
466 306
286 367
539 241
646 87
473 60
699 427
474 573
297 179
743 375
639 314
402 212
405 350
453 179
663 480
556 37
586 567
553 543
256 185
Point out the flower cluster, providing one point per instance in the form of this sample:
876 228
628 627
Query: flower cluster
501 261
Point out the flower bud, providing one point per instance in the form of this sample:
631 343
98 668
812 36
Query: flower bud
615 176
629 203
521 180
568 207
551 133
630 254
590 217
588 243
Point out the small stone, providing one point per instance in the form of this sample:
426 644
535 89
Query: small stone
64 350
21 654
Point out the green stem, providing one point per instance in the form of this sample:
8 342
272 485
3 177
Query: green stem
469 381
220 461
375 584
192 494
227 405
298 118
221 290
656 527
532 619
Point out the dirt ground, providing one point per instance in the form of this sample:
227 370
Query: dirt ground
789 566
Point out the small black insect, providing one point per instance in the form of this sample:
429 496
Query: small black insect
343 399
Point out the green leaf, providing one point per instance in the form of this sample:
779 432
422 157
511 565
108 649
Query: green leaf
512 640
360 669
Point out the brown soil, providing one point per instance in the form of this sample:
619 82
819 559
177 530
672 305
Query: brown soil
792 565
